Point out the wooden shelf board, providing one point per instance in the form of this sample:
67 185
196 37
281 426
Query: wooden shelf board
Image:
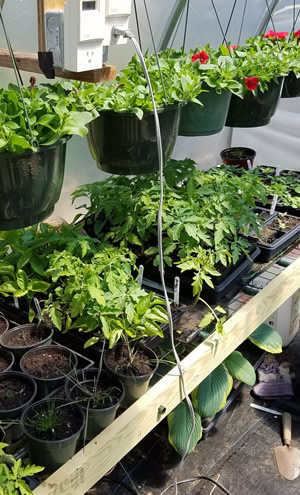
28 62
89 465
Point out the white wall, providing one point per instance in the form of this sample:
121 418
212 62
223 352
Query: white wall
279 141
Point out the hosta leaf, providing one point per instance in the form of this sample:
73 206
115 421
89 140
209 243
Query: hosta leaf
267 339
240 368
211 395
180 426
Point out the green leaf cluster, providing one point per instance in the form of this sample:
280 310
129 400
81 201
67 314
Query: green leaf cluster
13 474
52 112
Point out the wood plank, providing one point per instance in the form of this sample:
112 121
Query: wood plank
89 465
42 7
29 62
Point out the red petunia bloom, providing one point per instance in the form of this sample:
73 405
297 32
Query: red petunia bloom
272 35
201 56
251 83
233 47
297 34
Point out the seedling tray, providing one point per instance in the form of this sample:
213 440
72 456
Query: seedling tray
225 288
282 241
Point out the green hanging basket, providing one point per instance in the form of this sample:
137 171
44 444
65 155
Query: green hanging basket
254 110
124 145
30 185
207 120
291 86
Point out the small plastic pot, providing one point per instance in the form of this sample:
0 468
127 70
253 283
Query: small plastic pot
254 110
8 357
100 418
238 156
30 185
291 86
46 385
51 454
135 386
6 338
4 324
10 414
207 120
124 145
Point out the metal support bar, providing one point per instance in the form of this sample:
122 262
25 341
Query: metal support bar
173 19
266 19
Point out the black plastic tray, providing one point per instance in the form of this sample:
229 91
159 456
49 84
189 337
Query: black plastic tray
269 251
280 208
226 288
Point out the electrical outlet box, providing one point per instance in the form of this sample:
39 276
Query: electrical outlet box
54 33
117 15
84 33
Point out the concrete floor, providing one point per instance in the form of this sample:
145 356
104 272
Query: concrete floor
239 454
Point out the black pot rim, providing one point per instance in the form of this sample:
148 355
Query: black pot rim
123 375
8 354
167 108
251 153
43 348
22 376
62 401
40 149
104 409
19 328
2 317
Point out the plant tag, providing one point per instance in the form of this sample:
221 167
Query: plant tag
277 171
274 204
16 303
176 291
141 275
250 167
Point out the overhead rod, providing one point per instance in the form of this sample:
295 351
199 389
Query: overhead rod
171 23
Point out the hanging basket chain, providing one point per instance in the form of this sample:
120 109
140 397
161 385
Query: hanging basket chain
156 54
186 25
229 21
273 24
243 20
221 28
34 141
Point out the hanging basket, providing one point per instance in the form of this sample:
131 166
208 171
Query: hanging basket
291 86
124 145
30 185
254 111
207 120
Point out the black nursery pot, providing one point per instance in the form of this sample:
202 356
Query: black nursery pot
6 340
124 145
254 111
53 453
97 418
291 86
238 156
30 185
135 385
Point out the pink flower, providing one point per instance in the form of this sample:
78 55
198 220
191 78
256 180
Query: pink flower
201 56
233 47
282 35
297 34
251 83
272 35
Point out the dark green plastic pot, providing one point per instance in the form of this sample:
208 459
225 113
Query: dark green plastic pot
135 386
46 385
5 339
254 111
30 185
51 454
15 431
124 145
207 120
97 419
291 86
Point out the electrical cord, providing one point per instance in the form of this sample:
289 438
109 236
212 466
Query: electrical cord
129 35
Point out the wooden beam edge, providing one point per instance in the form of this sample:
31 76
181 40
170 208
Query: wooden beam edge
90 464
28 62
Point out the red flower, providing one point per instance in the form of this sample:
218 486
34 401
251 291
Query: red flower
201 56
297 34
233 47
32 81
276 36
251 83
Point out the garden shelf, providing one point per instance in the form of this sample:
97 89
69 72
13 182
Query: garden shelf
79 474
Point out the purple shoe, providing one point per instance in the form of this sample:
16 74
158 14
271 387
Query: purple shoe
271 390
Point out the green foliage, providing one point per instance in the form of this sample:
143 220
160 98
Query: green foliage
211 395
12 474
267 339
180 426
52 112
240 368
286 188
83 284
